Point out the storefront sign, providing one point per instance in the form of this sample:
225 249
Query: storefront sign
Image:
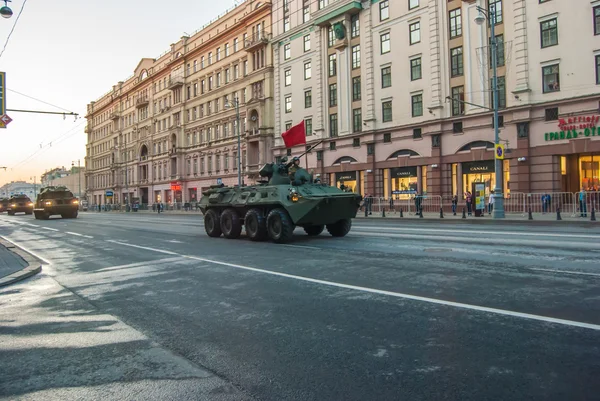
109 194
346 176
485 166
399 172
175 186
480 196
575 127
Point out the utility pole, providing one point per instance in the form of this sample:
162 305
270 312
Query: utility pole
79 176
34 186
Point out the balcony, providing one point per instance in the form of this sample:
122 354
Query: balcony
142 102
175 82
256 41
115 115
88 129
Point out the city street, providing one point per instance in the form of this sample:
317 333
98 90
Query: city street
147 306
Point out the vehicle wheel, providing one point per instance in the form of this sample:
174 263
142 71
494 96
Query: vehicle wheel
255 225
11 213
211 223
280 226
313 231
340 228
231 225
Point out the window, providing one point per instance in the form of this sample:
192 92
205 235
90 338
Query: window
307 70
235 45
386 77
386 111
499 51
417 105
415 32
330 37
417 133
597 20
288 104
306 43
195 65
226 49
308 130
523 129
501 92
286 24
549 32
455 23
500 121
458 96
287 52
355 26
308 98
332 95
333 125
413 4
332 65
356 89
387 137
597 70
385 43
357 120
456 61
236 71
384 10
551 114
288 77
551 78
495 10
306 13
288 126
332 146
457 127
356 56
356 142
218 53
202 62
415 69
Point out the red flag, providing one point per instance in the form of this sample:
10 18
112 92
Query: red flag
294 136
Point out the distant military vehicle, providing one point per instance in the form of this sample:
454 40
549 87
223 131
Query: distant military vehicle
4 204
272 209
55 200
19 204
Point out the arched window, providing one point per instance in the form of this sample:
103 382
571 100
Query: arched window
403 152
345 159
477 144
143 75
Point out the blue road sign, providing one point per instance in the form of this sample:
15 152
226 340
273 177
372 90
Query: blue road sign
219 181
109 193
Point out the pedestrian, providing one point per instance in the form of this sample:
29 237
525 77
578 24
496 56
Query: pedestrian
582 203
454 204
469 199
491 203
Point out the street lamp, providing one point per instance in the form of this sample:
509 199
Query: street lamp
5 11
498 195
236 103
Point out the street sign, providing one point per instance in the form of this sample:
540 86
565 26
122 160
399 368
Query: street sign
5 119
109 193
219 181
500 152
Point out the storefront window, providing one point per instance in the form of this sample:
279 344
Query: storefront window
386 183
563 165
362 183
347 181
482 171
404 182
454 178
423 180
589 172
506 167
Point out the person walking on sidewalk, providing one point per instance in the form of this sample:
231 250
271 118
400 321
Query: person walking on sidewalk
491 203
469 199
454 204
582 203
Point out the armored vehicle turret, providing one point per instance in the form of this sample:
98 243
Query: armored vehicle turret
54 200
288 196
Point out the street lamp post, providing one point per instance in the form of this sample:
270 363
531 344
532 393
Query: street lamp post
236 103
498 212
79 176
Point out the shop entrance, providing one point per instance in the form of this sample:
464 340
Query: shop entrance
404 182
589 172
347 181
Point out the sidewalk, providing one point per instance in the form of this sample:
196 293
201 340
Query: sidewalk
15 265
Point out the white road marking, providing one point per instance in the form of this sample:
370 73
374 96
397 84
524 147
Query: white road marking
144 247
566 272
496 311
174 241
88 236
49 229
27 250
76 234
436 230
302 246
138 264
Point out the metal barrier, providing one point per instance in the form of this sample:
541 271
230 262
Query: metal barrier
548 202
585 202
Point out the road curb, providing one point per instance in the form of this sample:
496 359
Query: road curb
33 265
481 221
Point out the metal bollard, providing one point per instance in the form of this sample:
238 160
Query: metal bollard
464 216
558 214
421 213
593 218
401 213
366 211
383 212
441 213
530 215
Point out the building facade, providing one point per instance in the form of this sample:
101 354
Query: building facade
171 130
19 188
399 93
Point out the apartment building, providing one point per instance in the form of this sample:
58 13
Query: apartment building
171 130
399 91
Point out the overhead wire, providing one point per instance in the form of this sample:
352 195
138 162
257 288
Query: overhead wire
13 27
38 100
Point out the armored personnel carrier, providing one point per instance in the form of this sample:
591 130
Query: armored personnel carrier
55 200
19 204
288 197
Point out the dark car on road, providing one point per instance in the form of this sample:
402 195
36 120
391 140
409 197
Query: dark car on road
56 200
4 204
20 204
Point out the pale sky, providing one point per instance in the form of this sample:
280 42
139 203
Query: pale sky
71 52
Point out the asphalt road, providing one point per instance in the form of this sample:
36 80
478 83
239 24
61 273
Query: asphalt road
394 311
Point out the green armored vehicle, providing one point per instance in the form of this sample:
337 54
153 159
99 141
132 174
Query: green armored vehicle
55 200
289 197
19 204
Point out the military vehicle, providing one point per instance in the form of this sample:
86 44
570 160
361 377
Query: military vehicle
289 197
55 200
19 204
4 204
